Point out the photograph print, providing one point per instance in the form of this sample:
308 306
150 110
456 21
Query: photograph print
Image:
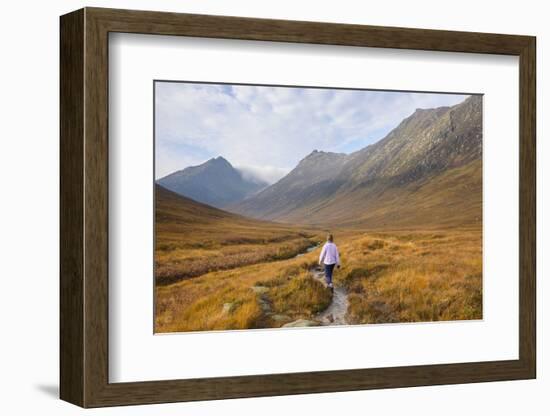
288 207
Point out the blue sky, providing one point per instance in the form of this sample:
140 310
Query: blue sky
266 131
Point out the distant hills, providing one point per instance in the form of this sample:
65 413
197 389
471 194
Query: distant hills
426 171
215 182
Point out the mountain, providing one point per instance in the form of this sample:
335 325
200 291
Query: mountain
310 181
215 182
425 171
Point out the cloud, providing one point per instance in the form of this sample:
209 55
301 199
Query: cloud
268 130
269 174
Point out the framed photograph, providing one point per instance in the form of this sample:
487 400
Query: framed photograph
255 207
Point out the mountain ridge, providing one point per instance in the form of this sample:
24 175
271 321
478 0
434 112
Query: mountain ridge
427 144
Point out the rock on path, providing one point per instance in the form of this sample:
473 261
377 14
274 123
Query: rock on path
300 323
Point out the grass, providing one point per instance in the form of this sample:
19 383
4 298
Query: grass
255 296
220 271
295 296
390 277
193 239
414 277
182 261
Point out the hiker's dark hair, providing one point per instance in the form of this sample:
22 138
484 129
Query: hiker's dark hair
330 238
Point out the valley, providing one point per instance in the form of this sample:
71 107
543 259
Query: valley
193 239
406 214
386 277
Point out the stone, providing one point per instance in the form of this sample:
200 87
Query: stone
260 289
301 323
228 307
264 304
280 318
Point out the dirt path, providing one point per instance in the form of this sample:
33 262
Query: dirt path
335 314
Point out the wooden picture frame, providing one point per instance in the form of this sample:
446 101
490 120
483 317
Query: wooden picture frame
84 207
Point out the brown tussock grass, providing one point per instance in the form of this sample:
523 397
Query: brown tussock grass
299 297
198 304
193 239
414 277
219 271
390 277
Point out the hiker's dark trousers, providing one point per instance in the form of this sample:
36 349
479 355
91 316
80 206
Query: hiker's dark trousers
329 268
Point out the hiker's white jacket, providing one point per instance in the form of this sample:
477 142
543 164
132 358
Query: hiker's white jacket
329 254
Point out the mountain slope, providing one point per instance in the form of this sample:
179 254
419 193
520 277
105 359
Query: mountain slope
171 208
215 182
418 166
192 239
426 142
308 182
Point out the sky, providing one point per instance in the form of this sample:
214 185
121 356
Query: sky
264 131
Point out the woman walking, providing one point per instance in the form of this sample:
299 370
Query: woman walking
330 258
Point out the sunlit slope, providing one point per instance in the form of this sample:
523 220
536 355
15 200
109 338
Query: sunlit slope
426 172
193 238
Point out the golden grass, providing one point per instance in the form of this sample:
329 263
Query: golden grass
182 262
390 277
295 297
192 239
219 271
414 277
247 297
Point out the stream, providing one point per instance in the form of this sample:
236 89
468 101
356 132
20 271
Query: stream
308 250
